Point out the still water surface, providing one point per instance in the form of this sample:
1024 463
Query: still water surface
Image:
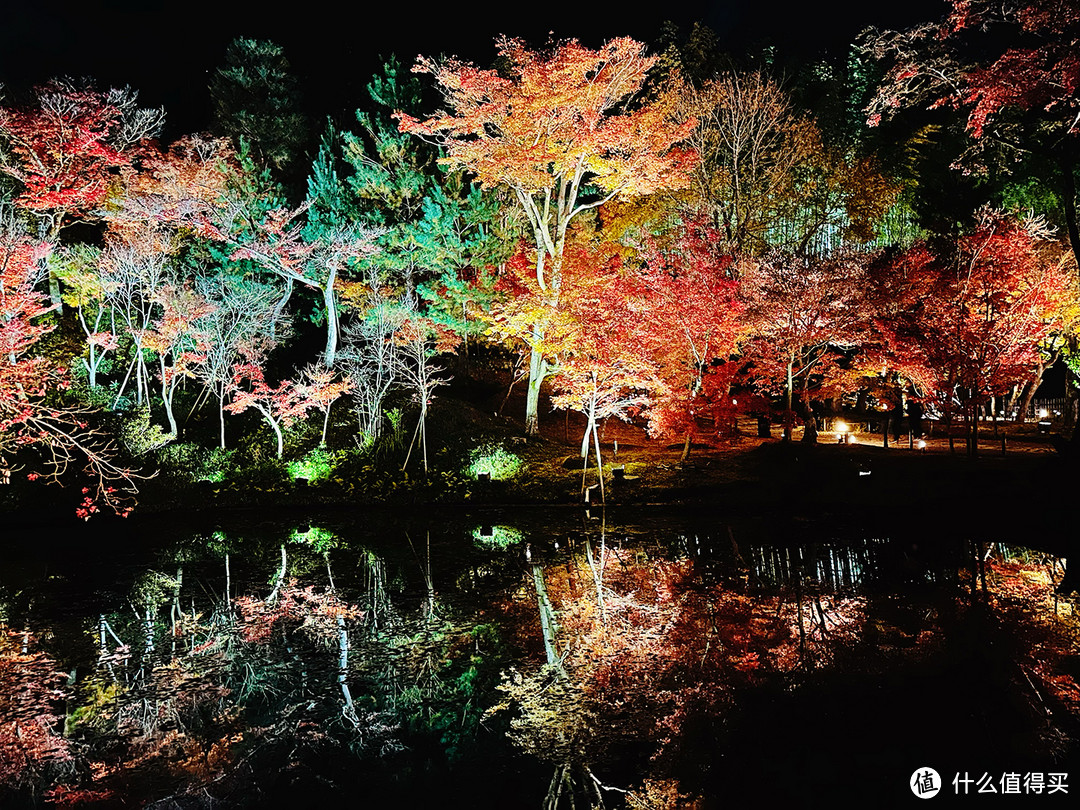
508 658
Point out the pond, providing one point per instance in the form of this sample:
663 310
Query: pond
541 657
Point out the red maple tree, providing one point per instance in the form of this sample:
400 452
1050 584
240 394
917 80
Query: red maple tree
280 405
802 316
967 327
30 415
690 306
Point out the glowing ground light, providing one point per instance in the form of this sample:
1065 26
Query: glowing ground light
844 434
921 444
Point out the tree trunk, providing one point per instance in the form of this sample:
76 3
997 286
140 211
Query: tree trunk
1026 395
1069 200
330 304
973 446
423 434
166 400
599 461
788 413
537 372
221 417
279 308
167 391
278 435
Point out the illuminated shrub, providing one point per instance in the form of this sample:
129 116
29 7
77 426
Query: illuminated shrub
493 459
317 465
140 435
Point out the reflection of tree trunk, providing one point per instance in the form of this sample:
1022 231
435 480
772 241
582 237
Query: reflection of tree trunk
148 638
343 665
375 585
802 629
174 608
1070 581
280 575
597 569
571 778
429 604
973 445
547 616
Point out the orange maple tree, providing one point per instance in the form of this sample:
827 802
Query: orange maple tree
565 131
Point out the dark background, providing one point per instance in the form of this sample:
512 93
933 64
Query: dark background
168 51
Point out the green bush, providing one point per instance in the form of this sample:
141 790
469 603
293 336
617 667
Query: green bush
139 435
317 465
495 460
192 462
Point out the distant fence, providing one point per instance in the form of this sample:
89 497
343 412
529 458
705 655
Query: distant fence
1053 408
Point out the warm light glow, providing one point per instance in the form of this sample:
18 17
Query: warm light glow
1043 413
851 439
921 444
841 427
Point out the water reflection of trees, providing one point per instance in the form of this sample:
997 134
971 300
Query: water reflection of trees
190 687
303 661
641 651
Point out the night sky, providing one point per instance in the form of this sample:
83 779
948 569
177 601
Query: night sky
168 51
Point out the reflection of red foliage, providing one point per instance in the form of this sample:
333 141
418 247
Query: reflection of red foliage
661 648
31 748
64 797
315 612
1046 632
